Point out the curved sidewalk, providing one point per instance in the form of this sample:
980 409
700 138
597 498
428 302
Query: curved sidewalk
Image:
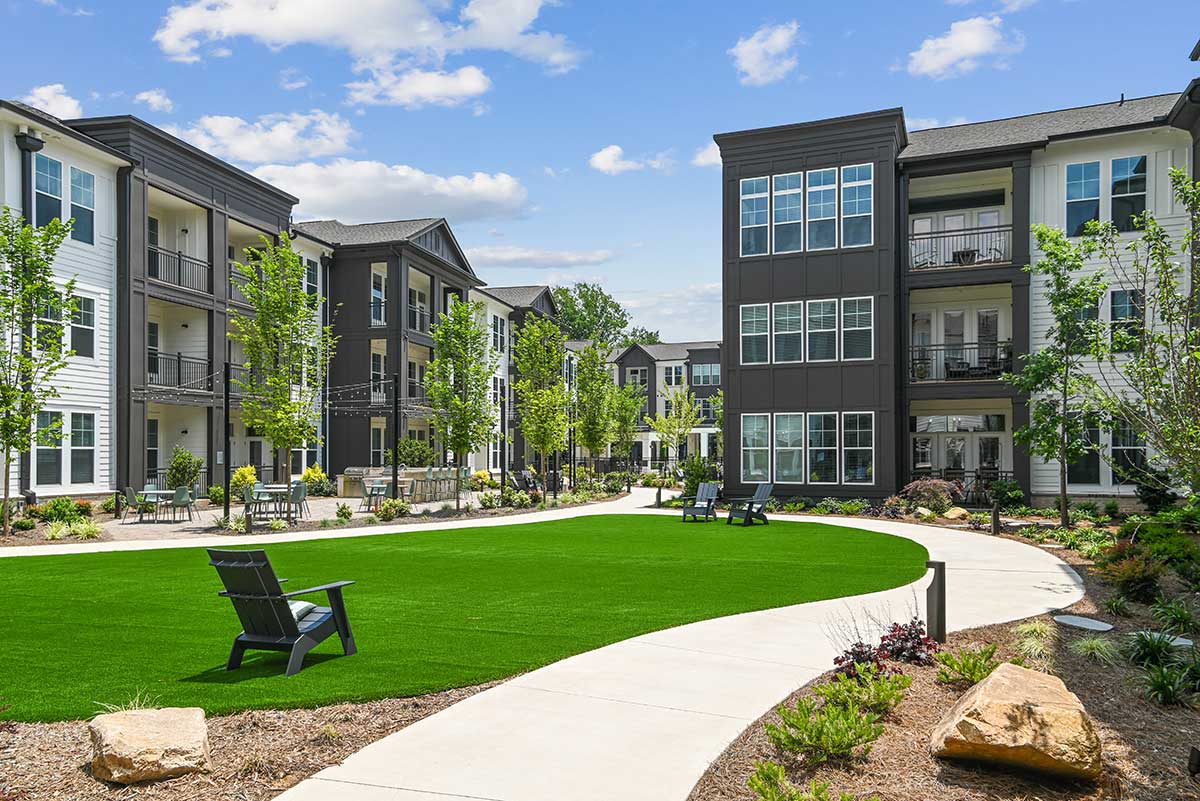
642 719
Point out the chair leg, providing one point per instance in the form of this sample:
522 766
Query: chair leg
235 656
337 605
300 650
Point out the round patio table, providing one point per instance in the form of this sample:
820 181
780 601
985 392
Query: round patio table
158 497
279 495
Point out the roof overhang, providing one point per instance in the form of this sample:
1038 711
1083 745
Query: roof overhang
39 124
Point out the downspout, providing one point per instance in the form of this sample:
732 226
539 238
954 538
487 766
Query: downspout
28 143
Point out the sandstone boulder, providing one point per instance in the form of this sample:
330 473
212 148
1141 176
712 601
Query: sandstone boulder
956 513
1024 719
146 744
921 511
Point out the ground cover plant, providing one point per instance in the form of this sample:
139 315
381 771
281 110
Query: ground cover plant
431 610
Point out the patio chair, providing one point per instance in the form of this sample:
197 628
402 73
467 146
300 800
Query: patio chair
182 499
299 498
271 621
750 509
702 503
252 501
133 504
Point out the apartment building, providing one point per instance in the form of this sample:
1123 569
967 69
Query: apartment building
874 290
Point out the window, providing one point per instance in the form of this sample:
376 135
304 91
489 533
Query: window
1083 196
755 347
789 332
48 327
152 447
1085 321
83 327
83 448
822 330
378 299
49 448
83 205
756 448
754 216
822 209
499 340
48 190
822 448
1086 469
378 437
858 328
704 408
494 453
152 350
636 376
1128 191
858 447
789 213
673 376
1127 307
1128 452
858 220
311 277
789 448
706 375
378 371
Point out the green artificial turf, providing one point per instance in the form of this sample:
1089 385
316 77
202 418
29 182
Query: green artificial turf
431 610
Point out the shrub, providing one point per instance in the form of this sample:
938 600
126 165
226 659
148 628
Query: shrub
968 666
821 734
184 469
858 656
1145 648
695 470
1136 577
934 494
854 506
237 524
278 525
83 508
1035 642
410 453
795 504
827 506
109 505
907 642
57 529
1094 647
314 472
770 782
391 508
319 484
517 499
61 509
1175 616
1189 574
242 477
24 524
489 500
979 521
85 529
1166 684
1153 490
480 480
1007 492
1112 509
1089 508
872 690
216 495
615 482
344 512
1117 605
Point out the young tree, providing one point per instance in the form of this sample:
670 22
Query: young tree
627 402
458 382
593 400
1054 377
30 354
586 311
681 417
542 396
285 347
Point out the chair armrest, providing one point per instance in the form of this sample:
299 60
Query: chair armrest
335 586
686 498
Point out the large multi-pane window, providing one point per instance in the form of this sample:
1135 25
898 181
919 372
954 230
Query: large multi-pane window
822 330
822 448
378 380
858 328
1086 469
789 212
754 327
822 209
858 203
312 271
48 461
789 448
48 189
499 338
1083 196
858 447
756 447
151 447
788 322
83 206
673 375
83 327
378 299
755 202
1128 452
706 375
1128 191
83 448
378 438
1126 309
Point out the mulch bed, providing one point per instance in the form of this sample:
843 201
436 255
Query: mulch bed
1145 746
256 755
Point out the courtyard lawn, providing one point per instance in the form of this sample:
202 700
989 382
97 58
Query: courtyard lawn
431 610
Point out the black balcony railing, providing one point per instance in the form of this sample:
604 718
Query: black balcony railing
236 282
175 268
378 312
964 248
975 361
178 371
158 478
418 318
416 391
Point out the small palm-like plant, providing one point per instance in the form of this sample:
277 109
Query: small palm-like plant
1175 616
1167 685
1146 648
968 666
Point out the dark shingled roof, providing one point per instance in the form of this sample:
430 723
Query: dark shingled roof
515 296
677 351
1037 129
374 233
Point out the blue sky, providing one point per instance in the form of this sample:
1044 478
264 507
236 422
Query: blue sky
564 140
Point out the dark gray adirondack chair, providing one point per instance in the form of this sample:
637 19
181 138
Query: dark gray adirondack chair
270 620
750 509
702 503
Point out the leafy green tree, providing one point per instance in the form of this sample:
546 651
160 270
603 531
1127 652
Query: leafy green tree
32 355
1054 376
285 347
627 403
586 311
637 335
593 400
681 417
542 394
458 382
717 399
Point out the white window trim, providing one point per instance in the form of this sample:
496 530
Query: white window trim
73 325
1099 198
63 450
842 329
767 225
836 335
382 443
1145 193
742 447
837 450
808 219
62 190
842 216
742 336
842 450
802 332
771 210
803 447
70 192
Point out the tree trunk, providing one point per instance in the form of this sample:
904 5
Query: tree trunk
458 463
1064 506
7 478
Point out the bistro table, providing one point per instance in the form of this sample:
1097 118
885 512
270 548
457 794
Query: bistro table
158 497
279 494
377 490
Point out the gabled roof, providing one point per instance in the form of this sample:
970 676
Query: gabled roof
1036 130
1196 52
518 296
52 123
373 233
668 351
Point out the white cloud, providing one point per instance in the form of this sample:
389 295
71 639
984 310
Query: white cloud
707 156
78 11
220 52
767 55
291 79
959 50
53 99
611 161
360 191
156 99
415 88
921 123
1016 5
535 258
688 313
271 138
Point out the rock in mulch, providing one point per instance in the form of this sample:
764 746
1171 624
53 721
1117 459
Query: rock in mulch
141 745
1085 623
1024 719
956 513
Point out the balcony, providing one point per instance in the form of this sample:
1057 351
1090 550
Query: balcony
418 319
173 267
236 282
967 362
967 247
378 312
178 372
416 391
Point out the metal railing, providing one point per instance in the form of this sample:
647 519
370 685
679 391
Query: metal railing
967 247
972 361
173 267
418 318
236 282
416 391
976 484
379 312
158 478
178 371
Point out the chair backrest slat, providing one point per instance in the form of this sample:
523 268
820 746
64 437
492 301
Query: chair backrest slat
255 592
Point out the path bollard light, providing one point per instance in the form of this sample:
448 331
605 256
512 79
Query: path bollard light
995 518
658 497
935 601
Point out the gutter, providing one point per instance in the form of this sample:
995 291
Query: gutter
28 143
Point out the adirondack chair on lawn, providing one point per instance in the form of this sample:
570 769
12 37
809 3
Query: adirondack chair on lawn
750 509
270 620
702 503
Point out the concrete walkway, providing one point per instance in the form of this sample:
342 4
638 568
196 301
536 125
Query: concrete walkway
642 719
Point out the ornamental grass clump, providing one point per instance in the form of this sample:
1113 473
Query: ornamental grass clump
1149 648
824 733
1175 616
1096 648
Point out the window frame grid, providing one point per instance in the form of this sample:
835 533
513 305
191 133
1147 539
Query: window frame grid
40 158
774 207
842 450
808 449
742 197
842 329
742 447
803 448
1112 194
808 330
72 202
77 309
56 445
801 331
1067 201
842 216
742 334
809 219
